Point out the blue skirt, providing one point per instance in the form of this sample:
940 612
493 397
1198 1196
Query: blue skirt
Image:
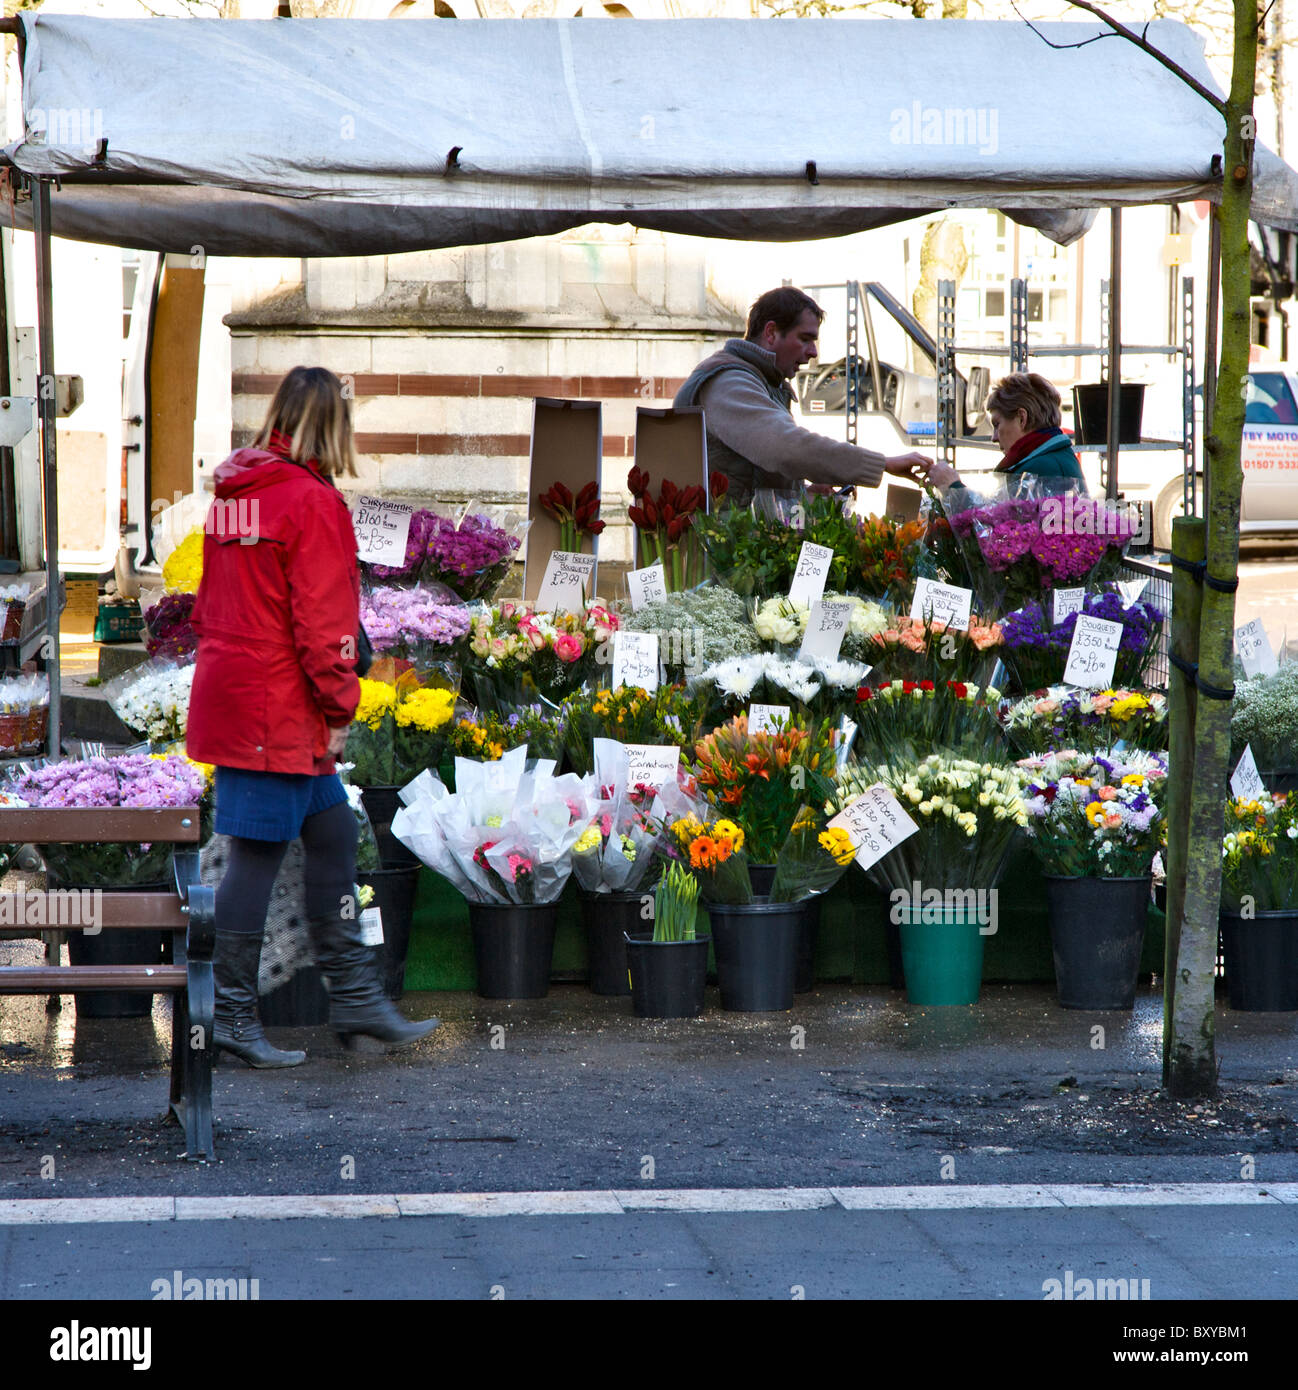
271 805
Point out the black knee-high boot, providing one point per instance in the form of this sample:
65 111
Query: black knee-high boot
237 1027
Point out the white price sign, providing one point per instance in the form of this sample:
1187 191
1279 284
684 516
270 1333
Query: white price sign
942 603
565 582
1254 648
371 925
653 764
1068 601
635 660
812 572
766 719
382 530
827 625
1246 781
876 823
1131 590
1093 653
646 586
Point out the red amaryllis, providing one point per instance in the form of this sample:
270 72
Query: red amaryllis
719 485
577 517
665 527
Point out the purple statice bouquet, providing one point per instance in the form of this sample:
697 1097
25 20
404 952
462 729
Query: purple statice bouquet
1022 546
472 558
135 779
171 630
1037 652
406 623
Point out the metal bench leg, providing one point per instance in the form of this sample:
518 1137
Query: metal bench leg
197 1062
53 956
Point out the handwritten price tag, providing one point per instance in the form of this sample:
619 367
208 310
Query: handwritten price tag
635 660
382 530
1246 781
653 764
1093 653
1068 601
565 582
942 603
647 586
1131 590
812 572
1254 648
827 625
876 824
764 719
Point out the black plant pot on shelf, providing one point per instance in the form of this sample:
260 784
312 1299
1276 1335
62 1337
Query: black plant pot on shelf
1261 957
667 977
609 919
513 946
1097 930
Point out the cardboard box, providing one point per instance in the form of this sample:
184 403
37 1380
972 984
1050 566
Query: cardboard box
567 448
82 606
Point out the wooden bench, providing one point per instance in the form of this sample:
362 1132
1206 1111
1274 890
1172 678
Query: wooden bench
188 912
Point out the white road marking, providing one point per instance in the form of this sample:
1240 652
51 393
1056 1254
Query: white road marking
946 1197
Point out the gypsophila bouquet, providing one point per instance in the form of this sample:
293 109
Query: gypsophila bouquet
1064 716
906 719
1259 854
171 628
1036 651
513 650
153 700
695 629
1094 815
1264 717
136 779
407 623
781 623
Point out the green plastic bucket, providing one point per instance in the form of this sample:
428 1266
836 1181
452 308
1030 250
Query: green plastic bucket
941 953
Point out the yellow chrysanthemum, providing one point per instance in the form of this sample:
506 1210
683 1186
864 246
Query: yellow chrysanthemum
378 699
184 566
426 709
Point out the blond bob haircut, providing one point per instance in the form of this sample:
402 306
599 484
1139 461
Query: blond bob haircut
311 409
1029 392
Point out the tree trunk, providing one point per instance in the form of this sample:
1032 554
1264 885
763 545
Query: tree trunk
942 256
1190 1068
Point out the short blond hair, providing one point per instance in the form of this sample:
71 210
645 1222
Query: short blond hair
1029 392
312 410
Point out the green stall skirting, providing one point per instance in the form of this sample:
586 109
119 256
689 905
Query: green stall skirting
852 944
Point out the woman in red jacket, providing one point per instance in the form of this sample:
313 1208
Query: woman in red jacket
274 692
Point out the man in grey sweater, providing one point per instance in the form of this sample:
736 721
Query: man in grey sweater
747 404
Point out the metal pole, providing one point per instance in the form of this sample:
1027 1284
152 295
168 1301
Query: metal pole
1210 334
1115 352
45 404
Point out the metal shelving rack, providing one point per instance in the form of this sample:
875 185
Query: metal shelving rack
1019 351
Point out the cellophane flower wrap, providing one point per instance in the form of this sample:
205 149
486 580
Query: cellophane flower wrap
183 569
1064 716
505 835
171 628
969 815
413 624
814 857
811 688
908 719
1036 650
515 650
761 781
1264 717
781 624
367 845
615 852
916 649
1019 547
471 557
136 779
1095 815
152 700
1259 854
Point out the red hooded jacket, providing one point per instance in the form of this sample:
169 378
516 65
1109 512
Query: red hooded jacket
276 616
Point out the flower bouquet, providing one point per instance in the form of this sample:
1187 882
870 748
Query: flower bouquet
1067 717
153 699
666 528
399 729
1021 546
695 629
420 721
628 714
24 712
472 558
812 689
887 556
516 652
1094 815
711 850
1036 651
370 739
183 569
614 854
1264 717
812 859
1259 864
412 625
924 649
485 736
171 629
903 720
781 623
136 779
578 517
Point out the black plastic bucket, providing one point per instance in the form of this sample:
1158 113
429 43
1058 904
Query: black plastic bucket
1097 930
807 934
762 878
300 1002
1091 413
757 954
1261 955
610 918
667 977
113 947
394 896
381 804
513 946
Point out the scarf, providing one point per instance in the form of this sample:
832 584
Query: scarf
1024 445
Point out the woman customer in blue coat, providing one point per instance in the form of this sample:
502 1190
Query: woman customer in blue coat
1025 415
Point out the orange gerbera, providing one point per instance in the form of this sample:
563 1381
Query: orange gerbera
703 852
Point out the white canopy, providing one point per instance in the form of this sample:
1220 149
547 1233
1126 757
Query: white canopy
335 137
